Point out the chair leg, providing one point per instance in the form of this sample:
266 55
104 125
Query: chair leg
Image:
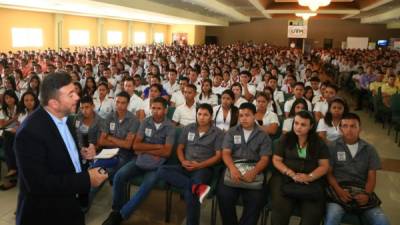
397 136
168 194
214 206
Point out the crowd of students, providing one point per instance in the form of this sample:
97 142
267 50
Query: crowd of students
245 105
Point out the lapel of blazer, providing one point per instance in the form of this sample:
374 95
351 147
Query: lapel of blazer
56 136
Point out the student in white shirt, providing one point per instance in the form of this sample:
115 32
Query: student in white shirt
186 113
248 90
328 127
104 104
226 115
267 120
135 102
297 106
206 95
237 91
298 92
321 107
145 110
217 87
178 98
171 86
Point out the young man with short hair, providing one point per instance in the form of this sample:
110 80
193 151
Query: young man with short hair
186 113
298 92
153 145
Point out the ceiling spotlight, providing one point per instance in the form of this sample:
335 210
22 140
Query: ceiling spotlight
314 4
306 16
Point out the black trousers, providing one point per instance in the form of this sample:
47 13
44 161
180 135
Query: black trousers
253 202
9 152
311 212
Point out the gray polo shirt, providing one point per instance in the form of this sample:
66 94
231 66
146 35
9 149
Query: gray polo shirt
120 129
257 145
165 134
200 148
88 135
349 169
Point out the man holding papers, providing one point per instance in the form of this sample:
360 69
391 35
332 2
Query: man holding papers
153 145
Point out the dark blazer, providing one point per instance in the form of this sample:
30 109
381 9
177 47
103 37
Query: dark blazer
49 186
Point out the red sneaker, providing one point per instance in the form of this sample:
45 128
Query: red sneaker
202 191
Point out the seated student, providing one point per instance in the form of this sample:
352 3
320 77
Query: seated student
145 109
206 95
389 89
353 163
226 115
290 82
328 127
198 150
266 119
264 83
217 86
87 123
301 158
153 145
308 93
104 103
319 97
135 101
154 79
247 142
321 107
273 105
171 86
186 113
278 95
298 92
248 89
237 90
298 105
378 83
315 83
119 131
178 97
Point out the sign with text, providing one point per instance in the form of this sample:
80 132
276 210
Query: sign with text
297 31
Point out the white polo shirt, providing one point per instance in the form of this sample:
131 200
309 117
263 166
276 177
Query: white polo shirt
185 115
178 98
135 103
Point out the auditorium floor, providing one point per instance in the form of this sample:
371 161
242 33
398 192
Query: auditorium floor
153 209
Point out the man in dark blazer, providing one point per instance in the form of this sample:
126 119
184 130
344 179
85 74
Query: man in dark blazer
49 162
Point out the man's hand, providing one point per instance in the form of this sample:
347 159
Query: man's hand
344 195
249 176
96 178
88 153
301 178
361 199
235 174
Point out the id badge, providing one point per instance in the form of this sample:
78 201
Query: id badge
191 136
77 123
148 132
237 139
112 127
341 156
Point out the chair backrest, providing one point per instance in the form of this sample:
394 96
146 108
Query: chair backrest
170 112
395 103
173 158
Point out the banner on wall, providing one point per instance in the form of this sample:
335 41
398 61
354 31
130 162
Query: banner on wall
297 29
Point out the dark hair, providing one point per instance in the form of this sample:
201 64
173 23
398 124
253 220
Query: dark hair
245 72
192 86
12 82
296 102
21 106
315 79
86 90
4 107
290 140
161 100
184 78
306 89
299 84
237 84
228 92
78 84
334 87
209 92
351 116
205 106
51 85
124 94
37 91
249 106
158 86
86 99
328 116
102 84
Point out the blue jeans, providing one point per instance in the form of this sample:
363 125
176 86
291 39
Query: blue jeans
121 179
183 179
335 213
125 157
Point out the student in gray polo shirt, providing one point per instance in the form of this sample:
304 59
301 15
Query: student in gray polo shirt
353 162
153 145
119 131
246 141
198 150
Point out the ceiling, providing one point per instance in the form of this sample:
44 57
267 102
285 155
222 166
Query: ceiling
215 12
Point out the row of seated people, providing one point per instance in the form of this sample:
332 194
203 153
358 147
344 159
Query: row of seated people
300 156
